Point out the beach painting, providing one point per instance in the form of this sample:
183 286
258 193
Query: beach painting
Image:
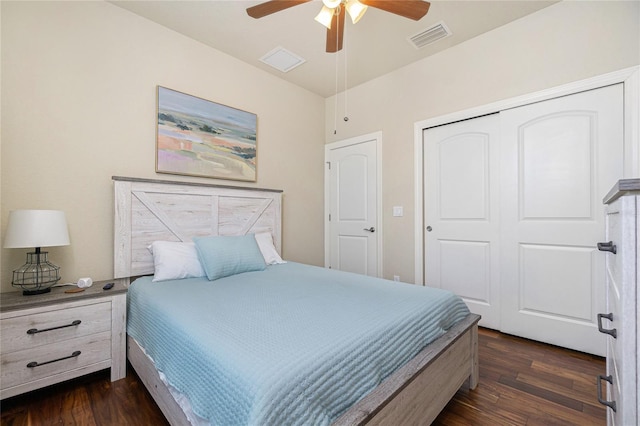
197 137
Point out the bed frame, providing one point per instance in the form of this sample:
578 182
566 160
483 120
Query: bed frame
150 210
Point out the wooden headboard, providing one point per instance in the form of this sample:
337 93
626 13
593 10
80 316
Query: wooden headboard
148 210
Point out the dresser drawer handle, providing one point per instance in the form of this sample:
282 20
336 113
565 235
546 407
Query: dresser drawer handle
610 404
608 246
35 330
612 331
34 364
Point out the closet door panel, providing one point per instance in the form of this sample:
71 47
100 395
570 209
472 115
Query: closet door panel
556 167
461 213
558 160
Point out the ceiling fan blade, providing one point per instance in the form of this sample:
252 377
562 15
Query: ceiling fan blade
335 35
412 9
272 6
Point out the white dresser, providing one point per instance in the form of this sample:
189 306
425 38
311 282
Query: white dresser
620 321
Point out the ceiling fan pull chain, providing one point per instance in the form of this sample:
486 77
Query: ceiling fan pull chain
335 107
346 62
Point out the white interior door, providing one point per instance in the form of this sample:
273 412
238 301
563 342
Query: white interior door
461 208
352 205
559 159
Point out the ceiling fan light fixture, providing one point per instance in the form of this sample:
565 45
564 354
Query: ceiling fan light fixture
325 16
355 9
332 4
336 10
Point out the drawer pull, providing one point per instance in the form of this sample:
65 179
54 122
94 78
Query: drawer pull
35 330
610 404
612 331
608 246
34 364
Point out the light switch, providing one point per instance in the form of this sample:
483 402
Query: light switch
398 211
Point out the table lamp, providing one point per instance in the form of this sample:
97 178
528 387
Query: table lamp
36 228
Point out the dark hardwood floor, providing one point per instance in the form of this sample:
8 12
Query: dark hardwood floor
521 383
528 383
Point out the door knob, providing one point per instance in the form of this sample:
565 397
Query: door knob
372 229
429 229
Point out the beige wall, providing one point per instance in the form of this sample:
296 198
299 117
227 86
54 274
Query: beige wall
78 106
566 42
78 85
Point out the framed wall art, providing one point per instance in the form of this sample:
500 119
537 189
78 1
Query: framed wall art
197 137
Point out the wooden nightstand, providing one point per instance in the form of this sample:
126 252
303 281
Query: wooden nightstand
52 337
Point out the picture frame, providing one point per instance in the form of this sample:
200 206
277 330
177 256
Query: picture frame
198 137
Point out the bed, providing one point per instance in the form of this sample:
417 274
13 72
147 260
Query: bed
411 389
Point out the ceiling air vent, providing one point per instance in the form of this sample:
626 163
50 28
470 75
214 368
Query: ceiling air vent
430 35
282 59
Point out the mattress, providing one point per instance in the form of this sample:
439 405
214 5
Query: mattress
293 344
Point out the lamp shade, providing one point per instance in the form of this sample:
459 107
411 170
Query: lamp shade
36 228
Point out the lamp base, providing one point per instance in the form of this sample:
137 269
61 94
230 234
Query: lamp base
37 275
34 292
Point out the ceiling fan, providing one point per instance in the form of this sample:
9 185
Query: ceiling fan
333 13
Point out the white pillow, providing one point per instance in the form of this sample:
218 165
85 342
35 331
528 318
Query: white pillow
269 252
174 260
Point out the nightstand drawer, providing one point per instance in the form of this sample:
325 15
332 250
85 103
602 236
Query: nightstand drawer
55 326
32 364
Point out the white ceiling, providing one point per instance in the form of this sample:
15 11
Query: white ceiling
376 45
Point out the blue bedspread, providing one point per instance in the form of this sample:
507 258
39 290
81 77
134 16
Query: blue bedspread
293 344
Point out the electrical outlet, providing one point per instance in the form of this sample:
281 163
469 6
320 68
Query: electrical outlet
396 277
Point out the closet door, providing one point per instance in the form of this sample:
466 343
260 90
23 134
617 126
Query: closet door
558 160
461 213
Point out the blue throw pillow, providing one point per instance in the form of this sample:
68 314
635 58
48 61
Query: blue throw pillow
223 256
